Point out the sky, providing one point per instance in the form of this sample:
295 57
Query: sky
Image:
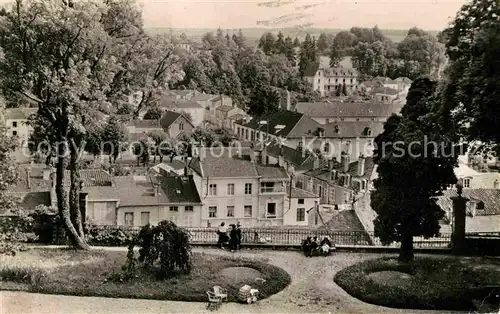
395 14
339 14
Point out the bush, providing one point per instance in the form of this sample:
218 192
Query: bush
22 275
102 236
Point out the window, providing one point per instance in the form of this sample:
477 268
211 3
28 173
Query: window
363 185
129 219
271 210
188 208
301 214
230 189
248 188
246 134
266 187
212 189
188 221
212 211
300 201
252 136
181 126
466 183
144 218
326 148
174 208
14 133
320 191
14 124
247 211
230 211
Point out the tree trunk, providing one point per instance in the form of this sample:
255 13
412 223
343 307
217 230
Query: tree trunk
406 250
74 193
63 204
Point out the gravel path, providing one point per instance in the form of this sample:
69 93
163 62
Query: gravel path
312 291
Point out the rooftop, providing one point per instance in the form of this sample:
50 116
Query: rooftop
385 91
347 109
299 193
354 129
135 191
301 160
144 124
490 198
281 123
178 190
169 118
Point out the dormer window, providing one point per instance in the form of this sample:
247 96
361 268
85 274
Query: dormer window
466 182
336 129
367 132
480 205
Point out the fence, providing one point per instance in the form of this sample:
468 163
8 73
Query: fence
295 236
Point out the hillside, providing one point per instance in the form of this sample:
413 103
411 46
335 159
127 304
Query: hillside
253 34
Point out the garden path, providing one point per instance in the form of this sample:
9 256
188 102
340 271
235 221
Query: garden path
312 291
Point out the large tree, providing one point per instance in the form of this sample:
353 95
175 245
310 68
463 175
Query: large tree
415 164
472 91
9 174
73 60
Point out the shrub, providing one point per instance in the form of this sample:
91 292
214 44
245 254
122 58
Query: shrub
109 237
165 246
21 275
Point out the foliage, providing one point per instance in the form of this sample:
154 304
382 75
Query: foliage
335 56
308 54
154 113
166 246
410 176
437 283
472 90
264 100
113 135
75 69
101 236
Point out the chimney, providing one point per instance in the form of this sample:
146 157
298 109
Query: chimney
28 179
264 154
361 165
331 163
345 160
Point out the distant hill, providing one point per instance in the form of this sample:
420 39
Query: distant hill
253 34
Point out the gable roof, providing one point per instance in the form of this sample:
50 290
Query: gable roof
347 109
288 119
134 191
19 113
271 172
403 80
291 155
169 118
341 71
344 220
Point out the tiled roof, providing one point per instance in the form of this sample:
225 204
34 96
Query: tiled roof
291 155
299 193
179 190
19 113
340 109
348 129
237 165
96 193
490 198
385 91
224 108
371 83
344 220
324 173
133 192
169 118
36 183
384 80
285 118
271 172
168 101
145 124
203 97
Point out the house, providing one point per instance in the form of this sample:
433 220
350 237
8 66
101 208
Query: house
175 124
298 207
386 82
140 127
16 121
169 168
473 179
327 112
37 187
384 94
237 185
368 86
151 199
482 211
328 80
191 109
338 183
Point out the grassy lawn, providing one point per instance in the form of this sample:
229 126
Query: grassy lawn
78 273
438 283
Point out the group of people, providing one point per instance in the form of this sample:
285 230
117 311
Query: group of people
313 247
233 240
